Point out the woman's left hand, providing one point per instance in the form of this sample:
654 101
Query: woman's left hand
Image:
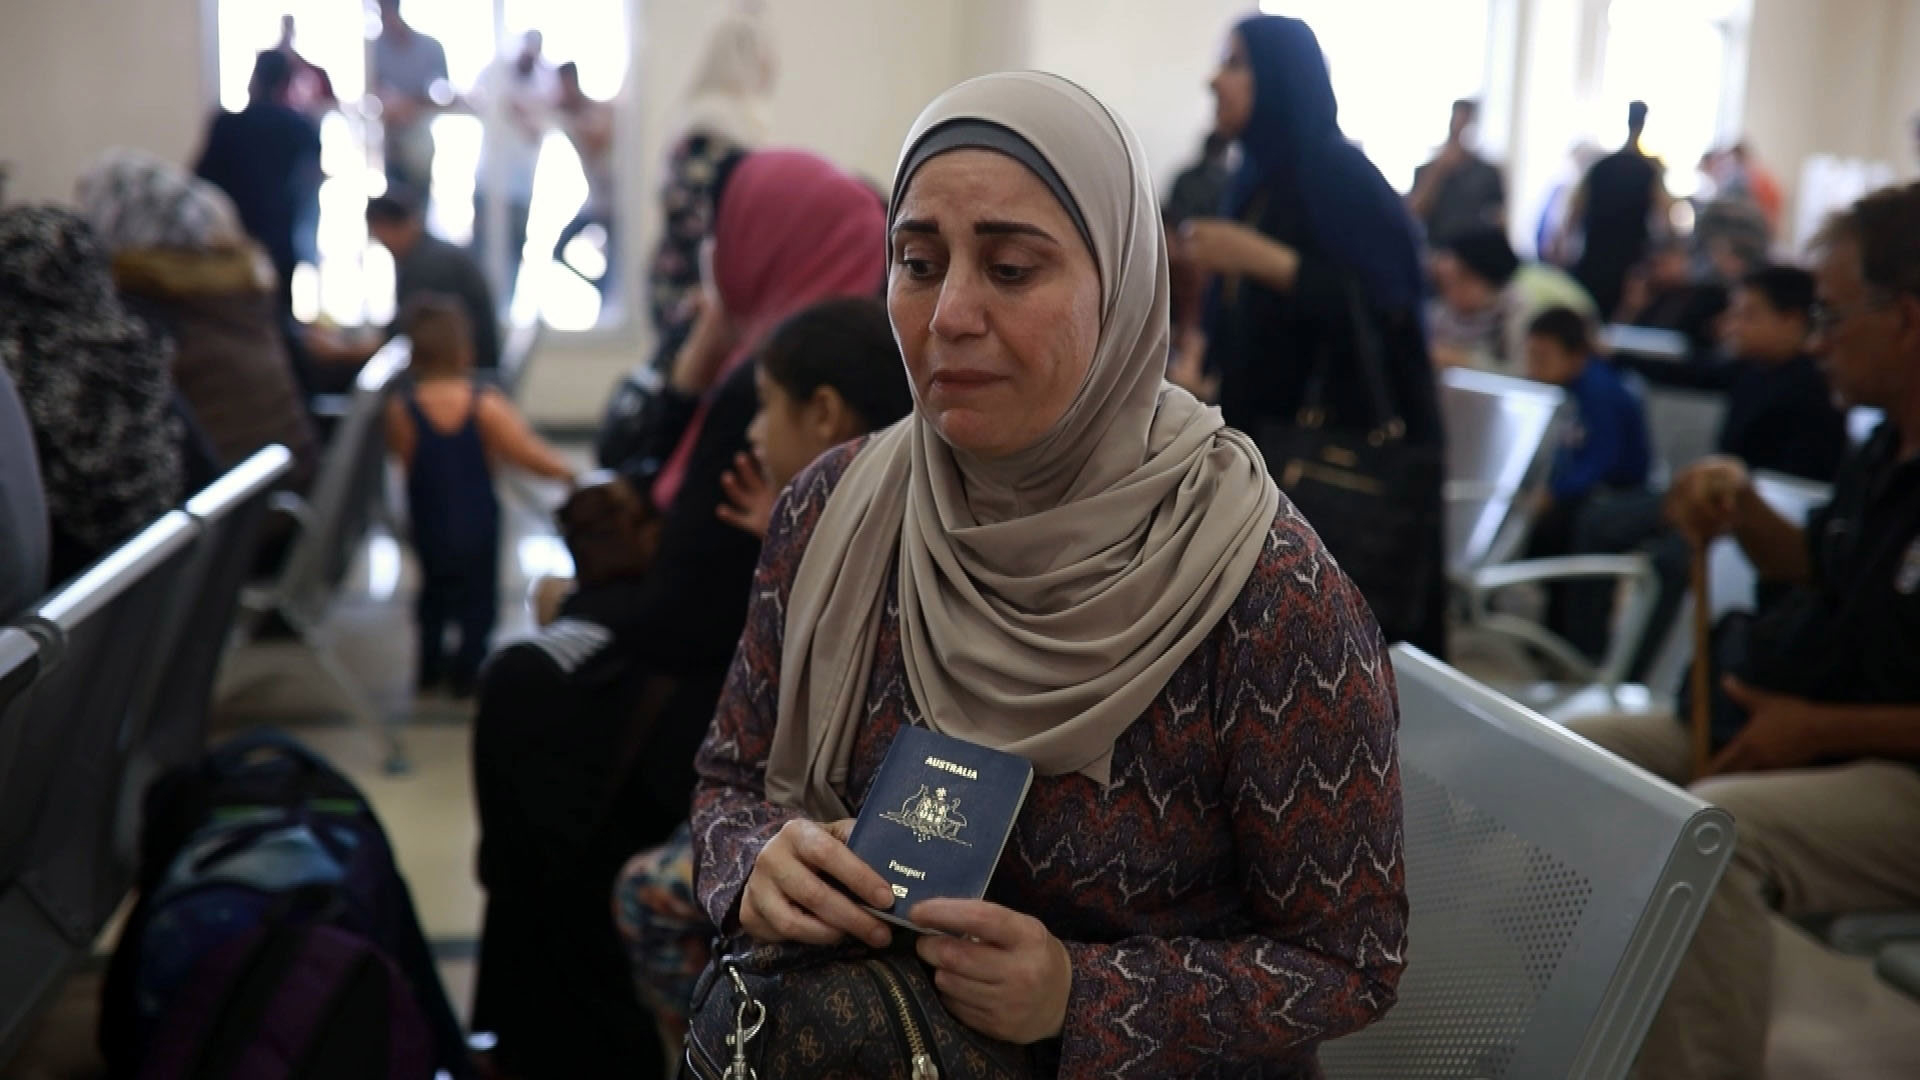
1219 246
1001 973
748 505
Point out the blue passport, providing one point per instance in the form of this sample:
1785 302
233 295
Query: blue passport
938 816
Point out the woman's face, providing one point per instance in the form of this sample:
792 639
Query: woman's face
995 300
1233 91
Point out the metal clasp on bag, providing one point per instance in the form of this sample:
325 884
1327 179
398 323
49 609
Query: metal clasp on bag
743 1032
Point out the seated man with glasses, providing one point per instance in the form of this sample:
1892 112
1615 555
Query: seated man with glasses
1816 711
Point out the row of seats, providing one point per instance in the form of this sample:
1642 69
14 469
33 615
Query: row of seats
108 682
1502 434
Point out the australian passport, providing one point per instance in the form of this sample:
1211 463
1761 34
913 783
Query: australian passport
938 816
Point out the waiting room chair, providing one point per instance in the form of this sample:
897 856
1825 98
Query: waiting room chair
35 953
22 663
331 526
1501 433
1554 889
1500 436
1645 344
231 512
1683 425
171 729
92 639
105 632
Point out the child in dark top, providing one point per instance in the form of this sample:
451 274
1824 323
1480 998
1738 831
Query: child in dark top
448 432
1605 451
1780 414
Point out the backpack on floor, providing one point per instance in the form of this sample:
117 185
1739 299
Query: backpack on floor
260 844
292 1000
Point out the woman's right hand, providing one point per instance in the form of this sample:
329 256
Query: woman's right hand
697 367
791 896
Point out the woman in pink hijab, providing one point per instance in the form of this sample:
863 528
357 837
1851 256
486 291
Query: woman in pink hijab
792 230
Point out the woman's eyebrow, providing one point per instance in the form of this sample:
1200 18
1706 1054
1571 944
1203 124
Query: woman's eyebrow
924 227
1012 228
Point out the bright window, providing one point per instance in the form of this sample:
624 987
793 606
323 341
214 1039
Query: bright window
1394 86
352 280
1683 58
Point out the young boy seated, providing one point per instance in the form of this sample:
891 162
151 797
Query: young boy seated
1605 449
448 432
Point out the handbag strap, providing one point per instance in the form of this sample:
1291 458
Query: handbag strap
1386 424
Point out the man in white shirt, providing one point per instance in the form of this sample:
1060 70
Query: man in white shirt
514 99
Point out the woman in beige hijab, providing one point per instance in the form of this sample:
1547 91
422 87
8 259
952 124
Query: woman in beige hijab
1062 556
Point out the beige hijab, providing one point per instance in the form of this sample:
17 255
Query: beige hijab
1045 598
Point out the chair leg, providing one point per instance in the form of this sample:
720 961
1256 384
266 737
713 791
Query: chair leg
387 724
359 707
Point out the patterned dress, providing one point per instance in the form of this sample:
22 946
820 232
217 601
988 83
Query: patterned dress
1231 899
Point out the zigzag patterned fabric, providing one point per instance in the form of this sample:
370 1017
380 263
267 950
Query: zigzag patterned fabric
1235 896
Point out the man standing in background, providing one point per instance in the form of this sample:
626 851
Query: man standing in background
408 67
1615 208
514 99
311 93
267 159
1458 191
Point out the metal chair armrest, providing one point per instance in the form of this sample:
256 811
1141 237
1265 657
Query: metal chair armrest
1557 568
1636 571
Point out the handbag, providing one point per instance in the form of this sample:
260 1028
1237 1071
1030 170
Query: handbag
1373 497
779 1012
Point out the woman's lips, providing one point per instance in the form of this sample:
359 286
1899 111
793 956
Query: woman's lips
961 380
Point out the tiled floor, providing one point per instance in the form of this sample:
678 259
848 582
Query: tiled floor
1833 1020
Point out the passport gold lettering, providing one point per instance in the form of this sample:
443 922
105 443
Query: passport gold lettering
917 875
957 770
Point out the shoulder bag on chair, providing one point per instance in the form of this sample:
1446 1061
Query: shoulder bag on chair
1373 497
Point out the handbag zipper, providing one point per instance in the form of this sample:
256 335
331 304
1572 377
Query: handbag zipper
920 1057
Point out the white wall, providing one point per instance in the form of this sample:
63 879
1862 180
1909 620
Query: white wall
1148 61
1901 96
1833 77
79 76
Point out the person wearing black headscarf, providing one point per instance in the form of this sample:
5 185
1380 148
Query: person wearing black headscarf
1315 254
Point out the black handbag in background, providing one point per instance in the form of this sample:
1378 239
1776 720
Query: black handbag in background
1373 497
781 1012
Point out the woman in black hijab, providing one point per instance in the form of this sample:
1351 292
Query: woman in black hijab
1317 260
